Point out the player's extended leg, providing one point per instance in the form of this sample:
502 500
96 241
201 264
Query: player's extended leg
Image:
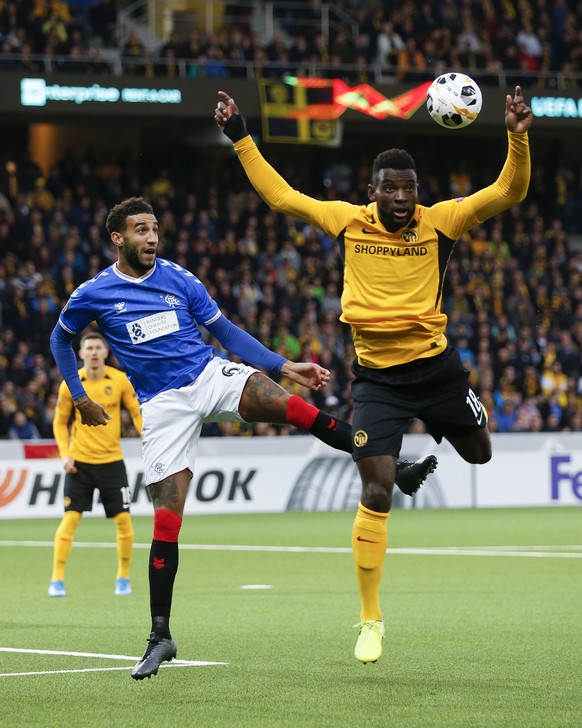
125 538
369 542
265 401
474 448
62 550
168 497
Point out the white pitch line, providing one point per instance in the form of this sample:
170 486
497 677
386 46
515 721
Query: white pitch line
183 663
514 551
545 547
485 552
98 655
192 547
62 672
68 654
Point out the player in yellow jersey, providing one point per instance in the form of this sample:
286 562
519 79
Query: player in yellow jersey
94 460
395 254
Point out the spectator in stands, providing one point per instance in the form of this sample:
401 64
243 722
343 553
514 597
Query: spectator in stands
134 55
490 37
388 45
22 428
554 383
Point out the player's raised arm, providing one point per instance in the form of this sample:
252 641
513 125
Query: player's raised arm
228 118
268 183
518 115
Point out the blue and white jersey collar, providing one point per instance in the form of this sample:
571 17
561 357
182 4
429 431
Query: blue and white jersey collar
125 277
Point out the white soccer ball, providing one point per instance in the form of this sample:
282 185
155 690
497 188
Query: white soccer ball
454 100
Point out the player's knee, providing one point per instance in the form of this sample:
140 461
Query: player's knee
484 451
486 456
480 455
377 497
474 449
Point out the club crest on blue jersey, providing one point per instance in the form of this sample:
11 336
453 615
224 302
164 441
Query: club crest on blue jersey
172 300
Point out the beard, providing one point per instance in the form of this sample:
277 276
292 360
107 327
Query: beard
393 223
132 259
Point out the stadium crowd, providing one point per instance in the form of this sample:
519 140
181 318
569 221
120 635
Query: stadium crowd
513 291
538 41
514 287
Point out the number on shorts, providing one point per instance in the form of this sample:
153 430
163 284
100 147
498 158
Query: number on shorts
474 403
126 496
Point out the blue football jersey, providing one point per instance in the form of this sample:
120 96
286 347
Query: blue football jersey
151 323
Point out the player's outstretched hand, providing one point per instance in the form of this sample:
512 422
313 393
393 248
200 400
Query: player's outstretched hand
92 413
308 374
518 115
228 118
225 108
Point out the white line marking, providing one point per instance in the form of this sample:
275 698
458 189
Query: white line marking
546 547
98 655
103 669
62 672
193 547
441 551
68 654
485 552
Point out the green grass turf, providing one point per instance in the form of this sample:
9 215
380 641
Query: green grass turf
471 640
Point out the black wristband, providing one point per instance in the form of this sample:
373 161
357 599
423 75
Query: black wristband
235 128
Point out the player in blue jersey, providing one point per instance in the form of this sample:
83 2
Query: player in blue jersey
150 310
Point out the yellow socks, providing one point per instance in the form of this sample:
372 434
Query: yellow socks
124 544
369 542
64 543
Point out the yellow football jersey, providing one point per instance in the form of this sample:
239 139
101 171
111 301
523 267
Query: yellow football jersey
95 445
393 282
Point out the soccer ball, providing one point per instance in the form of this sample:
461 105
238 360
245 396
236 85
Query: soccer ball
454 100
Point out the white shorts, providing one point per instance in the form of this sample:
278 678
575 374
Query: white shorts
172 420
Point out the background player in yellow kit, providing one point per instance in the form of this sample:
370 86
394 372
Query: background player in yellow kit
93 460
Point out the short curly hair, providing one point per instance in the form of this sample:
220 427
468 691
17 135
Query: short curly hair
117 218
393 159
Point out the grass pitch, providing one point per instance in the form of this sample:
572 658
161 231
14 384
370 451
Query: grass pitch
482 611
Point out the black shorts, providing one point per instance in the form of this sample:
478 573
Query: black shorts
435 390
110 479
